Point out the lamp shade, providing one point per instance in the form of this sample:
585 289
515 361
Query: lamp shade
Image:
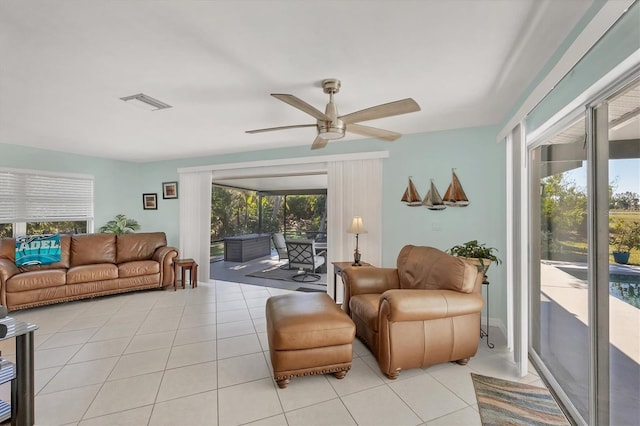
357 226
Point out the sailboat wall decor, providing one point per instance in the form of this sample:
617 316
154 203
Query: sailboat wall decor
433 200
455 196
411 196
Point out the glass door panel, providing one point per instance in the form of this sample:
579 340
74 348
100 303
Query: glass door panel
624 259
559 267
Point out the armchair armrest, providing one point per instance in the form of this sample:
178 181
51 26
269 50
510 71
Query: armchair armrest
422 305
367 280
7 270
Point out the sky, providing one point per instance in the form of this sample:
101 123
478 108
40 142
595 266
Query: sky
624 174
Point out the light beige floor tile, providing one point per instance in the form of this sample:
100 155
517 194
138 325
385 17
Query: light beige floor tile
158 313
193 353
228 296
457 378
187 336
241 369
82 322
233 316
140 363
69 338
239 345
360 349
148 342
305 391
465 417
189 380
279 420
63 407
100 349
379 406
231 305
232 329
200 308
427 397
257 313
327 413
41 378
233 406
195 410
114 331
81 374
499 365
128 318
137 416
264 341
158 325
198 319
260 325
125 394
47 358
360 377
257 302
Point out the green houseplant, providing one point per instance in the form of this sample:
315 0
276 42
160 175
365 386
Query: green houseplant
624 236
120 225
477 253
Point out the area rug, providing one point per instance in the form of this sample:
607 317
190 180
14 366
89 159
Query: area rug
274 272
502 402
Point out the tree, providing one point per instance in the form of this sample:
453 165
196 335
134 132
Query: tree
625 201
564 207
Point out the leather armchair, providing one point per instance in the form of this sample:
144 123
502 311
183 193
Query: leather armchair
424 312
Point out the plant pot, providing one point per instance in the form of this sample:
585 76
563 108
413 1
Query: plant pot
621 257
481 264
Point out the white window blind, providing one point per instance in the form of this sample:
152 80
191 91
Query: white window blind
33 197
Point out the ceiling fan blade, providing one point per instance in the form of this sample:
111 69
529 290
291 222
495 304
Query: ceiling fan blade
302 106
385 110
295 126
319 143
374 132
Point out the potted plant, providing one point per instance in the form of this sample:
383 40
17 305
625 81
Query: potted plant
625 236
476 253
120 225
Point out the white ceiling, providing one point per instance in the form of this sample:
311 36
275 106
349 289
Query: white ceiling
65 64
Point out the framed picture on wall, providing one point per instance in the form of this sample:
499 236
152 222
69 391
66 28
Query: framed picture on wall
169 190
150 201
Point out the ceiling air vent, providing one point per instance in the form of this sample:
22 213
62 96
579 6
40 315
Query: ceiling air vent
145 101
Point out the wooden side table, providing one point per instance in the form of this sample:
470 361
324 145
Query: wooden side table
185 264
337 270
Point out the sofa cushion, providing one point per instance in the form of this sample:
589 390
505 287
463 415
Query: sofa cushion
88 249
365 307
34 280
88 273
8 251
138 268
131 247
431 269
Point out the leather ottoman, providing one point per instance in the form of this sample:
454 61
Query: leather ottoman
308 334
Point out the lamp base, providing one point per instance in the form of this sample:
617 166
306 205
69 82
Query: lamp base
356 259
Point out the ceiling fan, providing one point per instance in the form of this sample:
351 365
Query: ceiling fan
332 126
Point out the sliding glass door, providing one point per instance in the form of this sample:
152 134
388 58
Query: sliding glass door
584 186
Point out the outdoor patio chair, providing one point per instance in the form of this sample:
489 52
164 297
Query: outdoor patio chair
302 255
280 245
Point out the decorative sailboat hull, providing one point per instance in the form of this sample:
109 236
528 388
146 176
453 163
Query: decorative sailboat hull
455 196
433 200
411 197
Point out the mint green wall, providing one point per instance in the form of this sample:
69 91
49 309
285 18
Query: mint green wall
615 46
114 181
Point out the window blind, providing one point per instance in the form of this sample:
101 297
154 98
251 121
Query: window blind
37 197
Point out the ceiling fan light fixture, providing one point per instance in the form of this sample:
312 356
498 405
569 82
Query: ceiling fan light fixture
146 102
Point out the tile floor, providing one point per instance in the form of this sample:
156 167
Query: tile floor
200 357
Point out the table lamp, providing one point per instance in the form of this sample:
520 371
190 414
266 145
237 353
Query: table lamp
357 227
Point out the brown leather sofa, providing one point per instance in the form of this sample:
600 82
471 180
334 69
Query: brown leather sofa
424 312
90 265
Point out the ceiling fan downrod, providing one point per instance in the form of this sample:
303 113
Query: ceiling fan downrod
334 129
